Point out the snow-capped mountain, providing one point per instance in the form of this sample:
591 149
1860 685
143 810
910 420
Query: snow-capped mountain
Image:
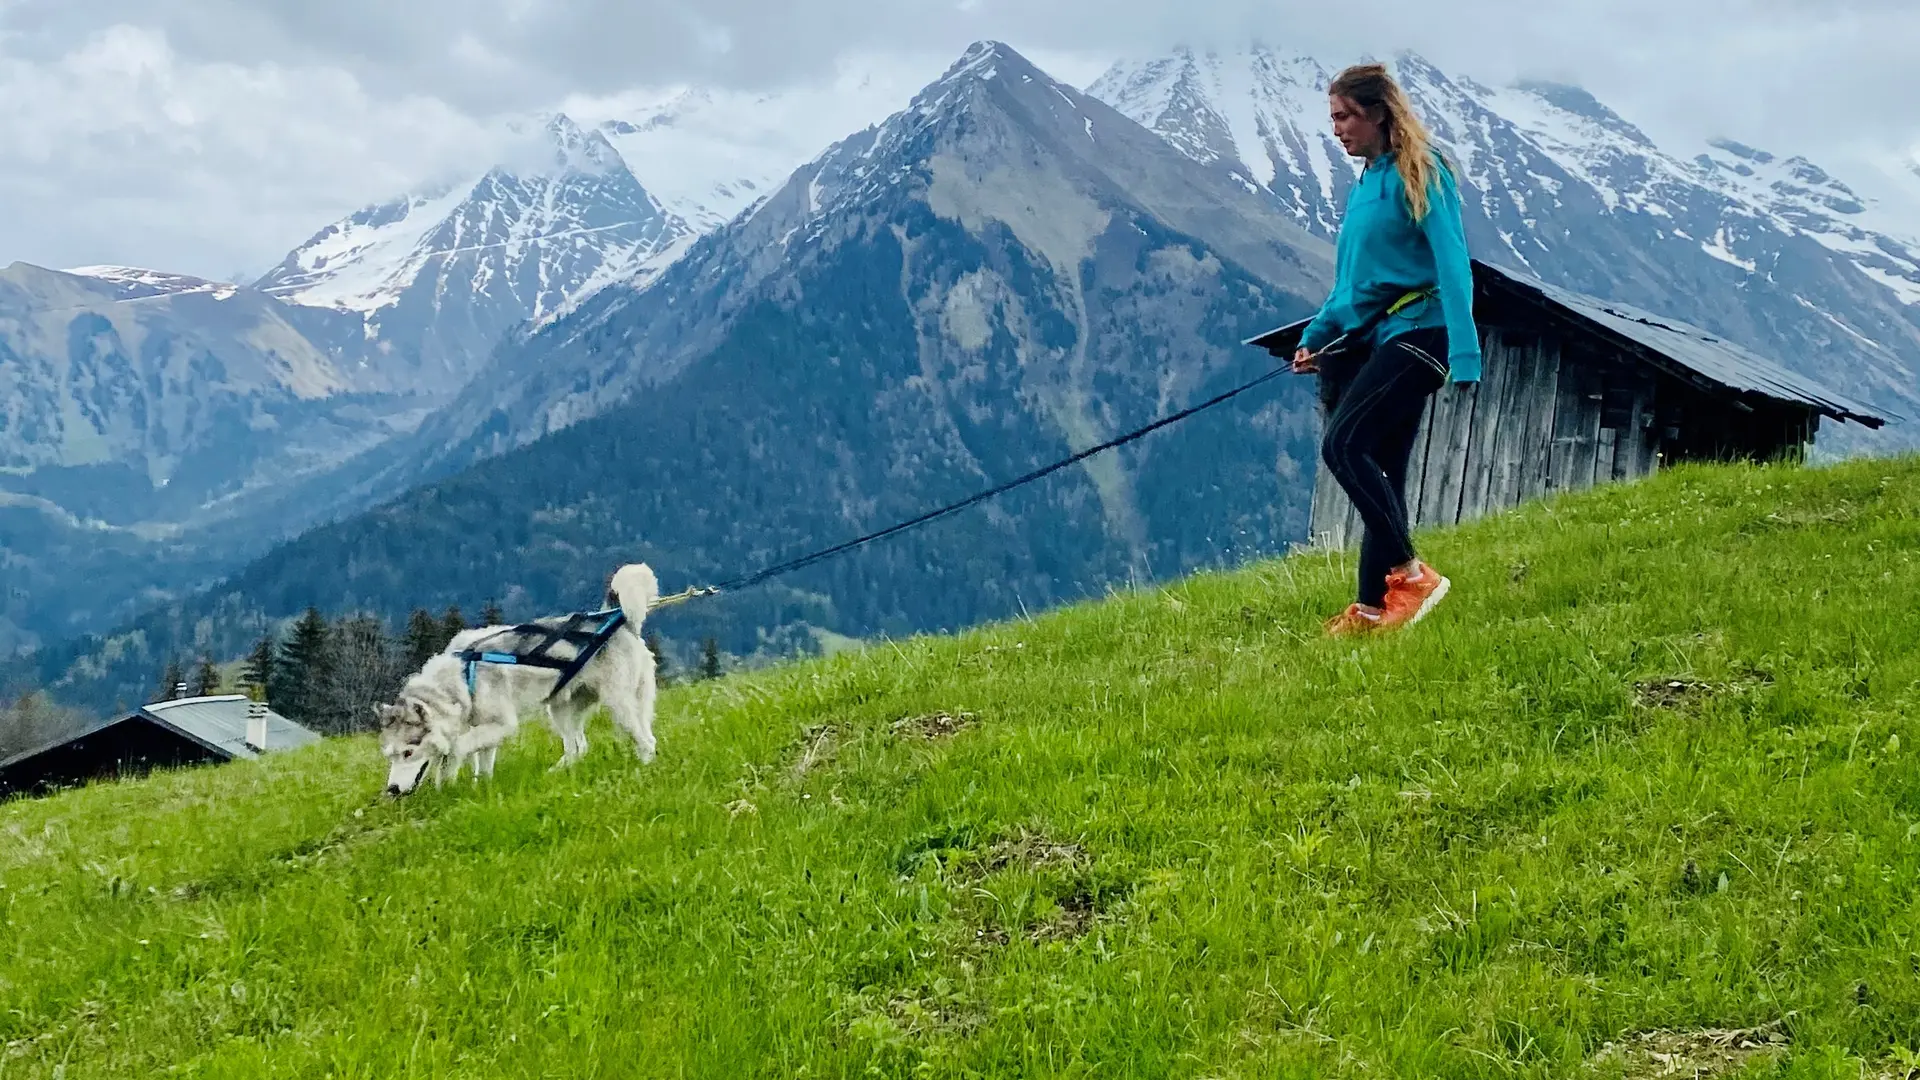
134 282
1773 252
709 153
698 164
1264 111
1000 273
439 277
550 381
1262 114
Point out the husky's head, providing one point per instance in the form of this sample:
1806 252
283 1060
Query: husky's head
409 741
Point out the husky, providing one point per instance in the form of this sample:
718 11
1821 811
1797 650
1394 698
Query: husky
437 723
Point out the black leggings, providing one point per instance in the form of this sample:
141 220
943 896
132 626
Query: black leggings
1373 417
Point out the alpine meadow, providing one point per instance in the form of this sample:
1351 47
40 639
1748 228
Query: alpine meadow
1640 800
1078 602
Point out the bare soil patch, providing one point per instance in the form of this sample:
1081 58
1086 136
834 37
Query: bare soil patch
933 726
1698 1054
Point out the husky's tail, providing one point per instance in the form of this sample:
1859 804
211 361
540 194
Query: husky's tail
635 589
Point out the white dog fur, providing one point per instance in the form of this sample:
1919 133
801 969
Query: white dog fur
436 724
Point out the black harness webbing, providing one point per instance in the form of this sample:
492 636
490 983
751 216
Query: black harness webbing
573 631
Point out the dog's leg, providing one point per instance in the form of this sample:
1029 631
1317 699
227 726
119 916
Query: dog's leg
482 743
635 716
569 722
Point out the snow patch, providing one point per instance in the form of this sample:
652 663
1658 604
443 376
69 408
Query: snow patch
365 262
1720 248
137 282
1907 290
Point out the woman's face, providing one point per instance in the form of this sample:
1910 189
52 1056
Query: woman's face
1358 133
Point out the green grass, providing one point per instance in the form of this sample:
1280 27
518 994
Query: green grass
1182 835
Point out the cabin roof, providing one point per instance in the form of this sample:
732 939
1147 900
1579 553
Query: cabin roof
216 723
1704 356
221 722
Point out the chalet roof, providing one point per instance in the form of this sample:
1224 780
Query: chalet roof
221 723
217 723
1697 353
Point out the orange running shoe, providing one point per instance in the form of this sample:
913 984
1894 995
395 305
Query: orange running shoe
1409 599
1353 621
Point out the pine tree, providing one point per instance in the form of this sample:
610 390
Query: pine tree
662 670
304 668
170 680
451 624
260 664
710 659
206 679
491 615
422 640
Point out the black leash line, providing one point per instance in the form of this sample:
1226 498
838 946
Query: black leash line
807 560
616 617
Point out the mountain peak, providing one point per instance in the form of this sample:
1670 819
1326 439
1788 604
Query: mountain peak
1741 150
139 282
1576 101
552 144
984 60
557 215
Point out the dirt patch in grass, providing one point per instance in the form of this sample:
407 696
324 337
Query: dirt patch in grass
1072 898
934 1011
933 726
816 747
1680 693
1033 851
1696 1054
1072 916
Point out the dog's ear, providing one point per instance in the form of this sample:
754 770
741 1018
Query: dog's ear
419 709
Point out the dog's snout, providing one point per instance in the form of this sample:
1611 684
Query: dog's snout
393 789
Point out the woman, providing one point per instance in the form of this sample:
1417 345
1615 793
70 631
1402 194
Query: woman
1401 319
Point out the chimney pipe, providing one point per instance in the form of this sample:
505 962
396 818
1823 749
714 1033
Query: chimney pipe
179 691
257 724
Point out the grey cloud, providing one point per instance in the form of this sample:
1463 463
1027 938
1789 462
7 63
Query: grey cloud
1699 65
366 92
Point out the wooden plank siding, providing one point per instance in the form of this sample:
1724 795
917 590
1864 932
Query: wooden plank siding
1556 413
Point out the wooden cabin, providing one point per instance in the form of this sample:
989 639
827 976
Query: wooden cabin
160 735
1577 391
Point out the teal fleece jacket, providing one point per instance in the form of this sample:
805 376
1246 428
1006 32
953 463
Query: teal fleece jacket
1382 254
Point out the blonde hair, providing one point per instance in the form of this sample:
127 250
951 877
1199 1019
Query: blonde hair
1370 87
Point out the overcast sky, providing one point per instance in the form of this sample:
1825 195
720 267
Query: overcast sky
210 136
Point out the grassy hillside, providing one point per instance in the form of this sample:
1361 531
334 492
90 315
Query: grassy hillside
1650 769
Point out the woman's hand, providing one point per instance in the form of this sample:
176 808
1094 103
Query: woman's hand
1303 362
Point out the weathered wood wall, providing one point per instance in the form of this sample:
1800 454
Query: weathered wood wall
1550 414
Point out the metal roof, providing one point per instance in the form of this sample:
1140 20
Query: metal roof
1715 359
217 723
221 723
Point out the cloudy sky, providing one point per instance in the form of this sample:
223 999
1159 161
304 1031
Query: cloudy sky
211 136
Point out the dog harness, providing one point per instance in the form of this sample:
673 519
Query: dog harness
573 631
